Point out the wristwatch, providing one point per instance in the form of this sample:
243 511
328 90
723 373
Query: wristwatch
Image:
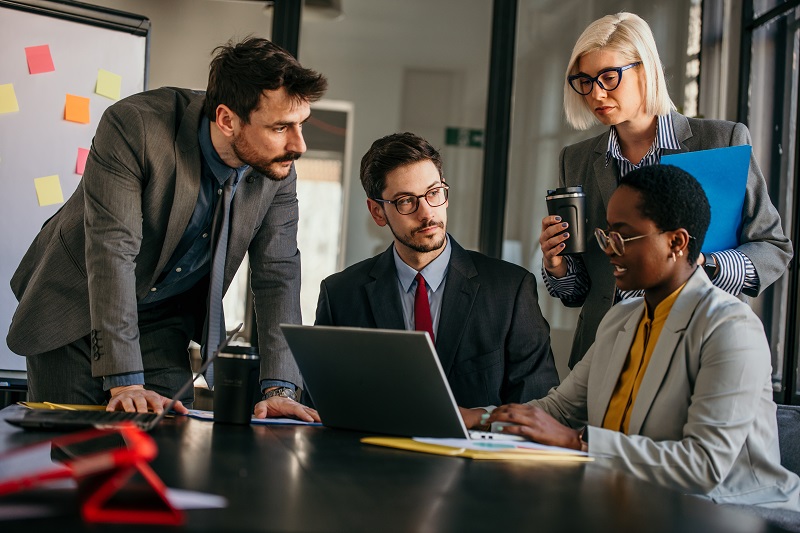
284 392
710 266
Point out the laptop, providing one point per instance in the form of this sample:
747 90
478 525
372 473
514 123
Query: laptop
64 420
378 381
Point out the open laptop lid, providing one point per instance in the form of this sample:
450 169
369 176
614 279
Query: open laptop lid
376 380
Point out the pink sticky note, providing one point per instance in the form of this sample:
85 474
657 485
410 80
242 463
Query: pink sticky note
39 59
80 165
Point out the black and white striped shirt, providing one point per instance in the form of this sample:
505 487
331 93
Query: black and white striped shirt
735 270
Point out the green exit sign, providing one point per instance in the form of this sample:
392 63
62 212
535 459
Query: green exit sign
463 137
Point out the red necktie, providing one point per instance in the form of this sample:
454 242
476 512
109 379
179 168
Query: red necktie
422 311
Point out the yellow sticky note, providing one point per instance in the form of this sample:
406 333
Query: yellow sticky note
48 190
108 84
8 99
77 109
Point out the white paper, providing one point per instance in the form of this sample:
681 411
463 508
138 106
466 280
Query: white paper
498 446
209 415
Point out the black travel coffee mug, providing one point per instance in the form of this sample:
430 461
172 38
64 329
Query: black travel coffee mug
570 204
235 382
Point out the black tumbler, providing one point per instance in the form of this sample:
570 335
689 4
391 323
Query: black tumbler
570 204
235 382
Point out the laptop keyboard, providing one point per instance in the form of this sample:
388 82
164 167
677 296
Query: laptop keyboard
111 416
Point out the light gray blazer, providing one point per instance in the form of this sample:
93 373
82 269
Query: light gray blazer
762 239
704 421
105 248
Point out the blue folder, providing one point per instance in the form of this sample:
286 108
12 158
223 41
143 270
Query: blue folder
722 172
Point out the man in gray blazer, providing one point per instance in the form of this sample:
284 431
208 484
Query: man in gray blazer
490 335
116 283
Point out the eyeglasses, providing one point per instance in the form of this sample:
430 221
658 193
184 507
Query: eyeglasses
616 241
608 79
408 204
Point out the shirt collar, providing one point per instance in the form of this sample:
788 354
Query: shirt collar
220 170
434 272
665 139
664 307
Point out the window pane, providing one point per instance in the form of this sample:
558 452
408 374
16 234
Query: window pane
772 118
762 6
416 66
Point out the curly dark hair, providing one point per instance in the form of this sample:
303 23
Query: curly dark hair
672 198
391 152
241 72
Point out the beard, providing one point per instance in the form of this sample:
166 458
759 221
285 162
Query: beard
250 156
428 245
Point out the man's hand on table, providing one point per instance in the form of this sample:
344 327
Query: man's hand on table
280 407
135 398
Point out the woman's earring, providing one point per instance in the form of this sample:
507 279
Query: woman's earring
673 257
680 253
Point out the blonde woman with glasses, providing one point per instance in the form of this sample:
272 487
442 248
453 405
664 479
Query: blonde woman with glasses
615 78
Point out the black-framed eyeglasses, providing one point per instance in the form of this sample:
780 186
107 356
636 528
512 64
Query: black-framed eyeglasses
616 241
608 79
409 204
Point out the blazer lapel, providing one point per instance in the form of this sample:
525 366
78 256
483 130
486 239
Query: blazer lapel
619 354
605 175
665 349
383 295
683 132
461 288
187 181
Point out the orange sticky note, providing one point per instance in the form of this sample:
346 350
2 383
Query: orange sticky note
80 164
39 59
77 109
48 190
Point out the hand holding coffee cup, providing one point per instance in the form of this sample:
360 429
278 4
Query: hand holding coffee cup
554 232
563 231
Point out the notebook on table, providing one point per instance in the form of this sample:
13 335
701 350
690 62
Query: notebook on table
68 420
378 381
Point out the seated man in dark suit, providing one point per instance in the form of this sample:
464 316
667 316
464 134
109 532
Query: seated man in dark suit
482 313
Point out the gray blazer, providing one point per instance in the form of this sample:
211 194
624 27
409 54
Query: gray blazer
492 340
762 239
704 421
105 248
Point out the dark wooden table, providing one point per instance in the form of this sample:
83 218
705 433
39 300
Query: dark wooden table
294 478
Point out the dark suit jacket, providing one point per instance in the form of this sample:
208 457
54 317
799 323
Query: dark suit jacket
107 245
762 239
492 340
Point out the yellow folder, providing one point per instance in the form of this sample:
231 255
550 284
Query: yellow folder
62 406
494 451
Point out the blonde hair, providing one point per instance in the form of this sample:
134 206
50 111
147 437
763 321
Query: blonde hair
631 37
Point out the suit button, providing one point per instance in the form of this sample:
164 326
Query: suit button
250 179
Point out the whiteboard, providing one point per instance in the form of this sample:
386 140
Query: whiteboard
37 141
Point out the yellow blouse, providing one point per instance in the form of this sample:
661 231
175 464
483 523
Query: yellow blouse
618 414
